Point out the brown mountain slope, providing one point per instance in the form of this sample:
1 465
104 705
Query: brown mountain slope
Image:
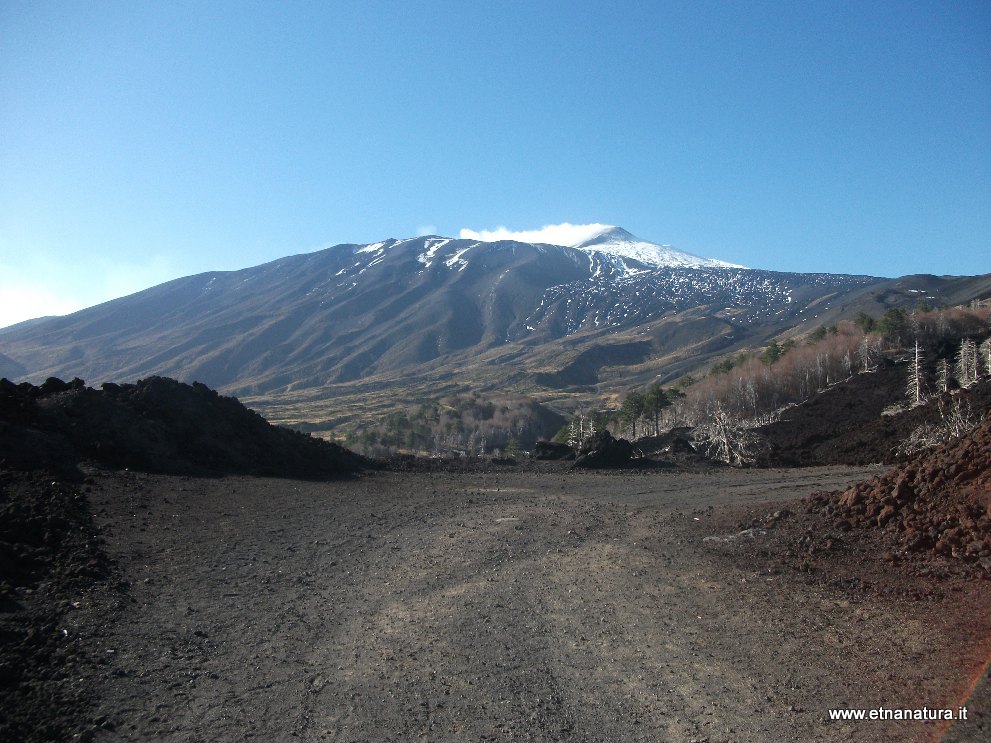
364 326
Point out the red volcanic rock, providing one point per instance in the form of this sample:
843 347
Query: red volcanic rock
938 502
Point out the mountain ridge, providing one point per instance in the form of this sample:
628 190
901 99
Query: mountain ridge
350 329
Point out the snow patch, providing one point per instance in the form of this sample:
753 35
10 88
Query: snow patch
370 248
432 245
456 259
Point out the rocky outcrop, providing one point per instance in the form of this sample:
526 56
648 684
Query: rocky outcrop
844 424
154 425
602 451
939 502
551 450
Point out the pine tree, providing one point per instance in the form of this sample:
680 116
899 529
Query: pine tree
865 321
772 353
654 402
513 448
631 410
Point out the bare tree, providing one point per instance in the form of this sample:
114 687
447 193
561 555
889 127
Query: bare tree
967 363
916 377
943 375
581 429
575 433
726 439
954 421
869 352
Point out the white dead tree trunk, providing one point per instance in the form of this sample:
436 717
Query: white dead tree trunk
985 353
916 377
967 363
726 439
580 430
943 375
869 352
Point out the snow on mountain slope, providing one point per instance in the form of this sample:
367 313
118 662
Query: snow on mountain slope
618 242
606 239
423 310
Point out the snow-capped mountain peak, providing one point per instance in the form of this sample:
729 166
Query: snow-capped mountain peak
616 241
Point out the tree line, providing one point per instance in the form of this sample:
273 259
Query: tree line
944 348
752 387
459 425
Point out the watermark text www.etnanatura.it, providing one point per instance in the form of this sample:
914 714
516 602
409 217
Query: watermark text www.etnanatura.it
899 713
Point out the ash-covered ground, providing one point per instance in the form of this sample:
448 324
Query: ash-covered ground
482 601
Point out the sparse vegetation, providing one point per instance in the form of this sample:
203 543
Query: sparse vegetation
583 427
740 392
949 348
459 425
956 419
726 439
750 386
755 385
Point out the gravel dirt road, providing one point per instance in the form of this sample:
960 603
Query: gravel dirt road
510 605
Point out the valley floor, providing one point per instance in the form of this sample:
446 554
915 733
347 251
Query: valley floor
513 606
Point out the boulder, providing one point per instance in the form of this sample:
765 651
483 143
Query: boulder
602 450
552 450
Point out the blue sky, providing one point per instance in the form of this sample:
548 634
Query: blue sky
140 142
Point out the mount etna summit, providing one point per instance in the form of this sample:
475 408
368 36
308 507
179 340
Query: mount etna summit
363 325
